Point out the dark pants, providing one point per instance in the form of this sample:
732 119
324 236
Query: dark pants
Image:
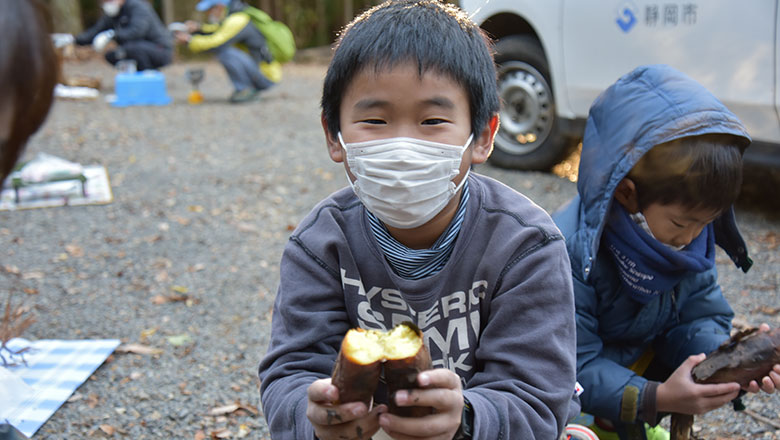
147 55
242 69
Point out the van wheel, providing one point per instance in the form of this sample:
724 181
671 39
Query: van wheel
529 137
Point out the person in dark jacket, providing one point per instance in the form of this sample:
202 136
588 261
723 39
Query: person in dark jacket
238 44
137 30
661 167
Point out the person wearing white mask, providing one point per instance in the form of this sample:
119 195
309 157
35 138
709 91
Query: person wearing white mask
137 30
409 104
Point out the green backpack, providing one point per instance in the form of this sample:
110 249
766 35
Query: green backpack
278 36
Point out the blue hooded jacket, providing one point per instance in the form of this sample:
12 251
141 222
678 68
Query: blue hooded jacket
649 106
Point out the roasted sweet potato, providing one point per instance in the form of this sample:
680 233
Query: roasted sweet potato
406 356
401 352
746 356
357 369
742 359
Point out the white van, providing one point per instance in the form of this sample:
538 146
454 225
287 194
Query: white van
556 56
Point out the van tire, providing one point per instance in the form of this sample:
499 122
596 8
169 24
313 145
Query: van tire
529 137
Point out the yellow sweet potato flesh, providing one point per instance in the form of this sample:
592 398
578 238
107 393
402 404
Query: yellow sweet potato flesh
363 352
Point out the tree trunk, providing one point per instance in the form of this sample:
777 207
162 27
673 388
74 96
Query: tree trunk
66 16
168 12
349 10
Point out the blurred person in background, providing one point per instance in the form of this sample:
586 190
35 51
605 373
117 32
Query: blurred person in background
137 30
238 44
28 74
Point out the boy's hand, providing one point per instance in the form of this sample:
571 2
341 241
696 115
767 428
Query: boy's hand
769 383
439 388
680 394
350 420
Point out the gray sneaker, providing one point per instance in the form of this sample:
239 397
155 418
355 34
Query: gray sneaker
244 95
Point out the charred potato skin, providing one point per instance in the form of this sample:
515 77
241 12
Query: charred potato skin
741 361
355 381
401 374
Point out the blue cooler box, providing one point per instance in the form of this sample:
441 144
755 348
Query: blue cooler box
140 88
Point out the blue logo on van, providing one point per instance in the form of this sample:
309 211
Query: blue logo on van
626 17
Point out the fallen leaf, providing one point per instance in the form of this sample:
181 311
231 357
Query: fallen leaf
138 349
181 220
222 410
162 299
222 433
93 400
13 270
161 277
195 208
766 310
34 275
180 289
243 431
247 227
252 409
108 429
74 250
200 435
148 332
179 340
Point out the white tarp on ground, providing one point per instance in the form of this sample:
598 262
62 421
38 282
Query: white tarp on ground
52 370
96 190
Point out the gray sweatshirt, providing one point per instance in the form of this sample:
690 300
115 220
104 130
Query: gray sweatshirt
500 313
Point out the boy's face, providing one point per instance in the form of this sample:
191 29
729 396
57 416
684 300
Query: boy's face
677 225
400 103
674 224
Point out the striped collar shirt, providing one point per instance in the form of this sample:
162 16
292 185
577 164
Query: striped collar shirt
415 264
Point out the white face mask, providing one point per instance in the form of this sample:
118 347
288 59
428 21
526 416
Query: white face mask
111 8
641 221
404 181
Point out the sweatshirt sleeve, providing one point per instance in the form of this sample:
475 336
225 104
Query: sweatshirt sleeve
141 20
88 35
231 26
605 382
526 356
301 349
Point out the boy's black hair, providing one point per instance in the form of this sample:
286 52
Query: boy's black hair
438 36
697 172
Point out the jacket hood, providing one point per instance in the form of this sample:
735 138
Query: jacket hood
646 107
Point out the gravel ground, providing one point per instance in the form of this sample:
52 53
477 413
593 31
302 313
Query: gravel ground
185 259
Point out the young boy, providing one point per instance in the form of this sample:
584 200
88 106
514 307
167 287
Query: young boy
409 104
661 167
